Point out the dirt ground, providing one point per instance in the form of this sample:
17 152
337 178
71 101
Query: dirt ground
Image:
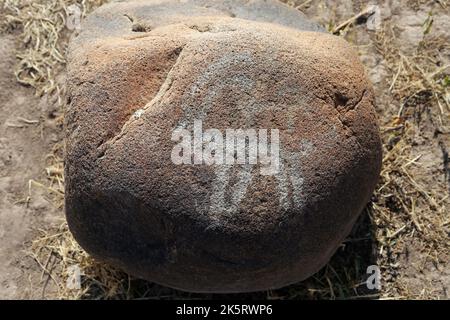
404 230
27 134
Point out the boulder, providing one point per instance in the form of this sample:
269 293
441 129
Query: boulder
150 82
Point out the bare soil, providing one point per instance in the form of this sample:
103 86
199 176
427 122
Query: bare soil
28 131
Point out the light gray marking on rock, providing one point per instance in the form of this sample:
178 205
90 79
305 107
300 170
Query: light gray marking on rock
206 79
220 187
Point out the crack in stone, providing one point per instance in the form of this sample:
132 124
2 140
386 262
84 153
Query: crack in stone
85 82
351 108
355 105
136 25
137 114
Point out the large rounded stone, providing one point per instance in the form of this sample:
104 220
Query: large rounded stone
233 65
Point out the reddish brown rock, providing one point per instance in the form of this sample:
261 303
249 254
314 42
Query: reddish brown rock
235 65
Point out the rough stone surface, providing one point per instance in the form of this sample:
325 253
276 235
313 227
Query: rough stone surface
238 64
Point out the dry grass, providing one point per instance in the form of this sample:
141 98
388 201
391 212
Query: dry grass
406 207
412 205
57 253
42 30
